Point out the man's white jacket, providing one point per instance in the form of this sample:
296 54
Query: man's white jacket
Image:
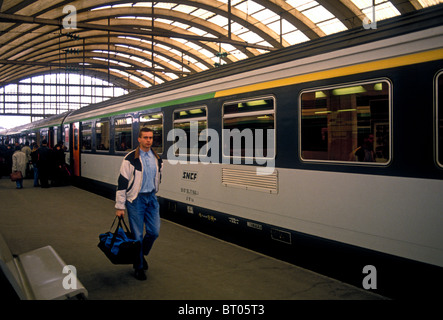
131 178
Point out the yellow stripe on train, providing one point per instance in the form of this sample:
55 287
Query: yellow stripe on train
338 72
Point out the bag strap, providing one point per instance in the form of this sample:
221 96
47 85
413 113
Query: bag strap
124 223
110 229
119 224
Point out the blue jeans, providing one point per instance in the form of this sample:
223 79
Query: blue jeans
35 176
144 212
19 183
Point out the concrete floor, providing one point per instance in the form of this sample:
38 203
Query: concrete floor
184 264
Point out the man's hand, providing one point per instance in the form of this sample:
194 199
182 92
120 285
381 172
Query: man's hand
120 213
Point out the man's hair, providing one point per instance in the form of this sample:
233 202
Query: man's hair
144 129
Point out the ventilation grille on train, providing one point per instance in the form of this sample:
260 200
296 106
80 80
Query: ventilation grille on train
250 180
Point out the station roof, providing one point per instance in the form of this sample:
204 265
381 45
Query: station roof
147 43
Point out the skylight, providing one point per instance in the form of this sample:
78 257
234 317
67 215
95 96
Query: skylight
248 16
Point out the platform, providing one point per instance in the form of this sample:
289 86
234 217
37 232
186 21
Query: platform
183 265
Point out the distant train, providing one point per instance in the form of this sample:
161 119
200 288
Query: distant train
328 153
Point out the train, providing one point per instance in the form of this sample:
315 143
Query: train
328 153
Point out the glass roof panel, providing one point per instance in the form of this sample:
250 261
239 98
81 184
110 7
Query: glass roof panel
142 4
318 14
250 37
248 7
428 3
202 13
192 45
122 5
236 27
295 37
383 9
164 5
197 31
219 20
164 20
332 26
287 27
201 66
185 8
265 16
301 5
180 25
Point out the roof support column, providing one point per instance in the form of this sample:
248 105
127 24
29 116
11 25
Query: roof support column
229 19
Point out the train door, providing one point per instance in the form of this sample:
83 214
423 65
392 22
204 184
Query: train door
50 137
75 147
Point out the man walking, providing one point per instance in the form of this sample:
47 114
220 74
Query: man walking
138 182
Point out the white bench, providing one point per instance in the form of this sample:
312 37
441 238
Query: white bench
39 274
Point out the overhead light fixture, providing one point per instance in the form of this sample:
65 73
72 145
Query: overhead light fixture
348 90
320 94
195 111
347 110
378 86
256 103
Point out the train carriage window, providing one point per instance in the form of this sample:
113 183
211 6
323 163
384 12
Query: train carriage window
347 124
154 122
32 137
439 97
186 120
102 135
65 137
86 136
123 134
55 135
44 135
250 126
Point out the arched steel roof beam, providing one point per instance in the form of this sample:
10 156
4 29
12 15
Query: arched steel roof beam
30 71
71 44
251 23
43 41
293 16
54 45
66 60
345 11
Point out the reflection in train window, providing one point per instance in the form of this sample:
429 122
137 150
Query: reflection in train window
102 134
347 124
192 122
154 122
439 94
65 137
55 136
250 125
86 131
123 134
44 136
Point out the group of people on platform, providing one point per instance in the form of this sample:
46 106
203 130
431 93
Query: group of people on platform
45 165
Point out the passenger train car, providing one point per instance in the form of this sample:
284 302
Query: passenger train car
328 153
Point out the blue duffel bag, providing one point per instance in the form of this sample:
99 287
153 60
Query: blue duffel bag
119 246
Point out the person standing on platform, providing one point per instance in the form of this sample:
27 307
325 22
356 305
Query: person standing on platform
27 151
138 183
19 164
44 164
34 160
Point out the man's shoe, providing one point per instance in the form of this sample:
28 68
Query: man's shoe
139 274
145 265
